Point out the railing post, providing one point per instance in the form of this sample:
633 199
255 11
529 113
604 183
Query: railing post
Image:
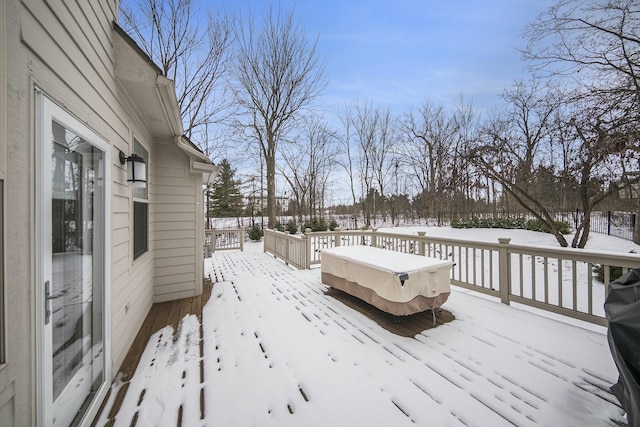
207 244
374 238
504 269
266 240
306 244
276 243
265 244
286 247
421 250
337 237
279 239
241 240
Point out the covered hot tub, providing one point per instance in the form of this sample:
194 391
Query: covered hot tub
395 282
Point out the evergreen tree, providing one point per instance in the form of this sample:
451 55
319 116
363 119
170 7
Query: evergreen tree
225 199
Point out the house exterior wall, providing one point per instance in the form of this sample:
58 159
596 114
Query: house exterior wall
66 49
177 237
16 374
7 393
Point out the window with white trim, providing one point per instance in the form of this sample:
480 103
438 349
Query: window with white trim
141 207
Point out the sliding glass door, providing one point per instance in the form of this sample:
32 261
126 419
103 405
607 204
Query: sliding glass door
71 196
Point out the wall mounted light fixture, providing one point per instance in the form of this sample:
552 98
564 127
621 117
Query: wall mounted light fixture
136 171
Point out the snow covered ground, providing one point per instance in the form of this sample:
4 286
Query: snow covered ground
596 242
279 351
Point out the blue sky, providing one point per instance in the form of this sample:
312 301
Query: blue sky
399 53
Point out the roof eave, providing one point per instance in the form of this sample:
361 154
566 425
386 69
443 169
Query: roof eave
151 93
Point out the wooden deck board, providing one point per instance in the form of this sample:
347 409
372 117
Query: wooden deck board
406 326
171 312
498 390
160 315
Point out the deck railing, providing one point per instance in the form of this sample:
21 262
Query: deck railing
292 249
560 280
223 240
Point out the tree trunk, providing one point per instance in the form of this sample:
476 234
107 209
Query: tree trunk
271 190
585 230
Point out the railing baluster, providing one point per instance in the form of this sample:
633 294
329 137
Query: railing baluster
504 283
473 253
560 282
465 249
305 250
491 279
575 285
546 280
483 267
590 286
533 277
521 268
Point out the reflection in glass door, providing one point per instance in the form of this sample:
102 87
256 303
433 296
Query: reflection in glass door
73 366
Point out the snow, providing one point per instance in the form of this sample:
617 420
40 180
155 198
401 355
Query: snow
393 262
277 350
596 242
585 296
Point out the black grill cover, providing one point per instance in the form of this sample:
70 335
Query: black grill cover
622 308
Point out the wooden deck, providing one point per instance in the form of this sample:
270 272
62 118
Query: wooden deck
481 363
171 312
406 326
161 314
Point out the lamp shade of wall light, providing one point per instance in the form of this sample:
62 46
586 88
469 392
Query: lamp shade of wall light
136 170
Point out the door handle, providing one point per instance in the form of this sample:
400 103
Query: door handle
56 296
48 297
47 302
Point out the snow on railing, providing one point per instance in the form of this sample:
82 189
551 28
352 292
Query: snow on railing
223 240
292 249
560 280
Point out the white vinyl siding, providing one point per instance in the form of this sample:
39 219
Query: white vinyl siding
3 323
3 149
3 86
68 49
88 69
74 64
176 201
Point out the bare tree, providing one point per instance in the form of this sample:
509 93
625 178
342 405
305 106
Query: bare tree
365 123
369 142
308 165
462 171
603 157
512 145
296 173
431 136
595 45
277 76
523 130
382 159
320 145
562 149
192 52
349 157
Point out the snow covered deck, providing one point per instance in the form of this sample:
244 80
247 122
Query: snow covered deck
277 347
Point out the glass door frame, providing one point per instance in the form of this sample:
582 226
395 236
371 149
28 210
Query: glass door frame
46 110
